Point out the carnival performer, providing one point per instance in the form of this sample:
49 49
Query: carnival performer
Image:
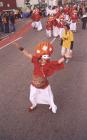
55 28
74 19
49 26
40 89
36 23
67 42
62 22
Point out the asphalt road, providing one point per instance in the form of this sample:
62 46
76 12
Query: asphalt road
69 87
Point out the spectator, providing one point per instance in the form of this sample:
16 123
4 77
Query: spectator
1 23
5 20
12 21
84 21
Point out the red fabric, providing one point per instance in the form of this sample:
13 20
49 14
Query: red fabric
58 24
53 67
55 22
66 10
48 69
36 17
62 24
74 17
58 14
51 19
61 17
49 26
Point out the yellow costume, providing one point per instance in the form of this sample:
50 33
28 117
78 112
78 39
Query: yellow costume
67 38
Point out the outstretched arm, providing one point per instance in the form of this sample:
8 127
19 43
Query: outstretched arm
28 55
61 60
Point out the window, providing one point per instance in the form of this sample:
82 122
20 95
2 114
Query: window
1 4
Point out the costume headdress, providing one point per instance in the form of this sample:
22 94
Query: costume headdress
44 48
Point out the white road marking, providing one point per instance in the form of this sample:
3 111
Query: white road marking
52 41
4 37
10 43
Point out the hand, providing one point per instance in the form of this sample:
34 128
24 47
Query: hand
23 50
65 38
61 60
17 45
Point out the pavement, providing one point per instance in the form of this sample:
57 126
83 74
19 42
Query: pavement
18 27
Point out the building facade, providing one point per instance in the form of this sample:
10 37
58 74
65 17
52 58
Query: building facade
20 3
7 4
12 4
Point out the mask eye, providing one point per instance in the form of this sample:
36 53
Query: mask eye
45 57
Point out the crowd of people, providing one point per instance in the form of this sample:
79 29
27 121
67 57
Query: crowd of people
8 18
7 22
57 16
62 22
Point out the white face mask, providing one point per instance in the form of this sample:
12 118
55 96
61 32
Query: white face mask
46 56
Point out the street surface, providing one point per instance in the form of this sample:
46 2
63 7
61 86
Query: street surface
69 87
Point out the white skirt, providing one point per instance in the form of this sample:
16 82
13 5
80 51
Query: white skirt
48 33
61 32
73 26
37 25
42 96
55 31
34 24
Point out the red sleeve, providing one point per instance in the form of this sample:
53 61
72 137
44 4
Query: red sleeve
53 67
34 59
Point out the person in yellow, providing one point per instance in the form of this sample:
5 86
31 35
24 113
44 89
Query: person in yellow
67 41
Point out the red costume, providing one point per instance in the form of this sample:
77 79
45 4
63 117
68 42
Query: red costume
36 15
49 68
74 17
49 25
40 89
